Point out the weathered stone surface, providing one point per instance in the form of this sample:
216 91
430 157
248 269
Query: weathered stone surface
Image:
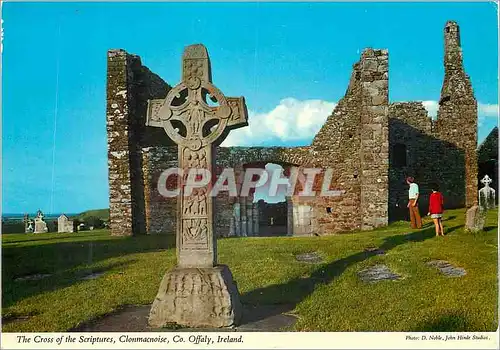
476 215
28 224
376 251
377 273
457 115
198 297
198 292
310 258
92 276
40 224
474 219
15 318
258 318
129 86
486 195
447 269
34 277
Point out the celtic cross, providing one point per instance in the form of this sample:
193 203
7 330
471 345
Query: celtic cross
486 181
197 117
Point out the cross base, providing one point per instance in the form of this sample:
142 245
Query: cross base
197 297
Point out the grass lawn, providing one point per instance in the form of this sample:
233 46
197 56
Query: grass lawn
325 297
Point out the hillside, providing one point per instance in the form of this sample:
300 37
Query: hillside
102 214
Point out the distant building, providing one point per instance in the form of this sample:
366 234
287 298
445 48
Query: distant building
64 224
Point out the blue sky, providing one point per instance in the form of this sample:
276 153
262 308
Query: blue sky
292 63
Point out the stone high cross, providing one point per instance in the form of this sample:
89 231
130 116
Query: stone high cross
196 126
198 292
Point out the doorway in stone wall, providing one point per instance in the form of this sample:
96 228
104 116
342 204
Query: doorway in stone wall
274 211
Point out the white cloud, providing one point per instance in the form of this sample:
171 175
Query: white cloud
294 120
483 109
291 120
431 107
487 109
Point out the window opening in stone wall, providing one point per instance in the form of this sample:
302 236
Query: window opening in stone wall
329 210
444 99
399 155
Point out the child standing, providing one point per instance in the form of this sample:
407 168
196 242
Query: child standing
436 202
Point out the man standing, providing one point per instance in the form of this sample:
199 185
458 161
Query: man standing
415 219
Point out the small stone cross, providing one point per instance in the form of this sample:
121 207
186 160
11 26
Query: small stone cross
486 194
197 116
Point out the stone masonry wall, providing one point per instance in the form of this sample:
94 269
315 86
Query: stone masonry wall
424 157
117 125
129 86
457 114
374 148
410 129
337 146
160 211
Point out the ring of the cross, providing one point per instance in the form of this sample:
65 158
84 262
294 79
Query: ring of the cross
188 108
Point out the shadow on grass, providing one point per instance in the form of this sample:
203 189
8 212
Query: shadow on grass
14 291
448 230
454 321
66 261
294 291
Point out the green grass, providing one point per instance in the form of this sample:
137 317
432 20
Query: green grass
325 297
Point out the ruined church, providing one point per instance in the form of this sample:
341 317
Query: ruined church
370 143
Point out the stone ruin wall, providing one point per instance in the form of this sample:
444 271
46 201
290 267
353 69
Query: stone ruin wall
129 86
356 140
427 158
374 150
457 115
337 145
441 151
160 212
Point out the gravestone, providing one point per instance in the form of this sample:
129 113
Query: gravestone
310 258
40 225
476 215
486 195
378 273
28 224
447 269
197 292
